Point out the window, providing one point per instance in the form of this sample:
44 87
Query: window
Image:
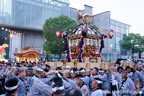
118 34
118 43
112 22
39 15
113 27
117 29
122 25
118 24
122 30
16 50
124 52
125 31
1 20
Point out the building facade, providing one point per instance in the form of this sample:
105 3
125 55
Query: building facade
28 14
120 30
33 13
112 49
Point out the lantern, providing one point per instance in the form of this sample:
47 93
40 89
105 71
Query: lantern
58 33
2 50
111 34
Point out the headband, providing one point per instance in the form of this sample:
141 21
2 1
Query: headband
29 70
39 69
72 71
80 78
98 81
11 88
101 71
83 70
57 88
67 67
57 72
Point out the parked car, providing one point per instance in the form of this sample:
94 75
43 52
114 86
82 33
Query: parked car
121 59
125 60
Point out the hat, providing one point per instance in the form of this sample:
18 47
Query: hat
11 84
30 69
101 70
39 69
68 67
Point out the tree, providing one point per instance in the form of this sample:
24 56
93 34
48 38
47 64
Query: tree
53 44
134 42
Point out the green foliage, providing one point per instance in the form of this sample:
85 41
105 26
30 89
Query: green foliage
48 53
61 23
135 41
95 27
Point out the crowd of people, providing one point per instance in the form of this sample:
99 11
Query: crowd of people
38 79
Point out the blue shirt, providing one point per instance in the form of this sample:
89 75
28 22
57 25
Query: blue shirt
1 71
7 94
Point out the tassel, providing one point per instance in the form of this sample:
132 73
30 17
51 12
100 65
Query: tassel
91 42
88 41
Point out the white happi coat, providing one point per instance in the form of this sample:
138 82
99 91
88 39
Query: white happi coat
39 88
98 92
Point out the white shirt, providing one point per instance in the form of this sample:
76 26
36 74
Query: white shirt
98 92
114 82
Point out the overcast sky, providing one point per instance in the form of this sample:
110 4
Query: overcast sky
127 11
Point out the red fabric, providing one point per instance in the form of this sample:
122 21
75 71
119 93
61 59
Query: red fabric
80 13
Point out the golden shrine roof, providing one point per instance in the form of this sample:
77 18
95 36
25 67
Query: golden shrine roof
27 51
